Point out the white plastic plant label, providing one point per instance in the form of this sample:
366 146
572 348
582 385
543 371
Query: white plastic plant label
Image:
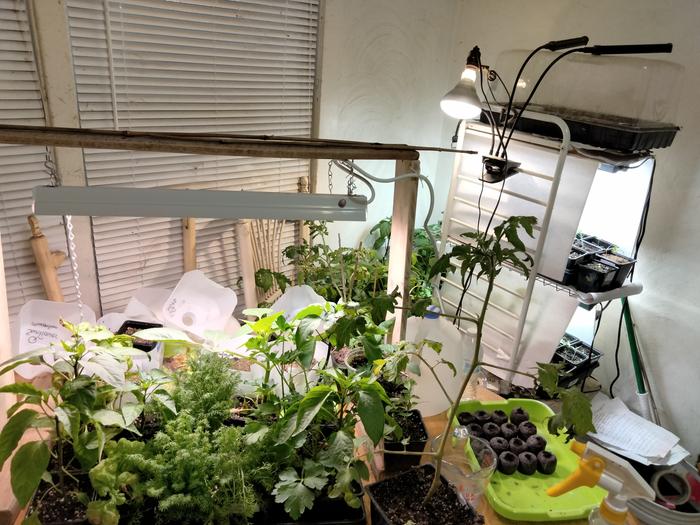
39 327
198 304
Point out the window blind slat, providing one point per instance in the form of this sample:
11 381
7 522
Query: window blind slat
22 167
235 66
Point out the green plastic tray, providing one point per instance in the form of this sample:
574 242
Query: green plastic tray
520 497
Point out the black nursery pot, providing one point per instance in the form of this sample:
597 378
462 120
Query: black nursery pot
326 511
395 463
406 489
131 327
595 276
624 267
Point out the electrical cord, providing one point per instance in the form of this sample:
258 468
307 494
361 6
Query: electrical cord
350 167
617 351
595 333
515 86
534 88
488 105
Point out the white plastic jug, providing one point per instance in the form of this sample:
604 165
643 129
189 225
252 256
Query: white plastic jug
455 349
198 304
296 298
147 304
39 326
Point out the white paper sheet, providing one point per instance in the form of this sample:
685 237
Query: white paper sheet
625 431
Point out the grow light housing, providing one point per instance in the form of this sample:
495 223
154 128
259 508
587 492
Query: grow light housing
212 204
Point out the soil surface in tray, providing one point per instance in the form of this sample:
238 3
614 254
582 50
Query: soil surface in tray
401 500
411 427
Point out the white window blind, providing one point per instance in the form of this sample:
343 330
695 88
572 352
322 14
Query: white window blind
235 66
22 167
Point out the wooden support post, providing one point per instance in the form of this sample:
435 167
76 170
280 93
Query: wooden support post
247 266
47 261
304 231
6 400
402 223
189 244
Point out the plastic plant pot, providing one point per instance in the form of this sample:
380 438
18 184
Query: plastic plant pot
397 493
576 257
624 265
326 511
130 327
595 276
468 464
395 463
587 247
355 359
602 244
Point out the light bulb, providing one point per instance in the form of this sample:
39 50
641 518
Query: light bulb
462 101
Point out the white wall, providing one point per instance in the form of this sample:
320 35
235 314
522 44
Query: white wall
386 63
385 66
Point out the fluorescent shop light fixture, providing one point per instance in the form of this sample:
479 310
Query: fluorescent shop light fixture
212 204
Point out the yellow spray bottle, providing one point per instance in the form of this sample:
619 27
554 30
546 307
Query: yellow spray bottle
599 467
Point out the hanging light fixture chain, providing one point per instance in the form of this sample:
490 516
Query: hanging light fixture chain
74 262
350 179
330 176
50 166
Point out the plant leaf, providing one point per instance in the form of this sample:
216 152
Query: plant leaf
339 451
371 412
291 491
24 389
548 377
13 431
69 416
169 335
305 342
310 406
109 418
27 467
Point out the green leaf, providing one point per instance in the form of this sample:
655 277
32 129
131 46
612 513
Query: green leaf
339 452
257 312
381 305
166 400
264 325
315 476
291 491
28 465
371 347
442 265
24 389
314 310
310 406
32 357
281 280
103 512
548 377
130 412
69 417
576 410
109 418
371 412
264 279
13 431
254 432
305 342
169 335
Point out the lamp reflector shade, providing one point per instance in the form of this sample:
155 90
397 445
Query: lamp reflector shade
462 101
213 204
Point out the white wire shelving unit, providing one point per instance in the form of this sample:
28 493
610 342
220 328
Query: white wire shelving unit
509 325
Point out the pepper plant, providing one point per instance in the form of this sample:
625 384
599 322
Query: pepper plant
85 406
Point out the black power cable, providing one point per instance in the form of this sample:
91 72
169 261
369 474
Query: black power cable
617 350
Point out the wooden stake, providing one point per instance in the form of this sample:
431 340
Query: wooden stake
189 244
402 223
47 261
247 266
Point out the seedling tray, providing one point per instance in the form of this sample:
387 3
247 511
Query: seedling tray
520 497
